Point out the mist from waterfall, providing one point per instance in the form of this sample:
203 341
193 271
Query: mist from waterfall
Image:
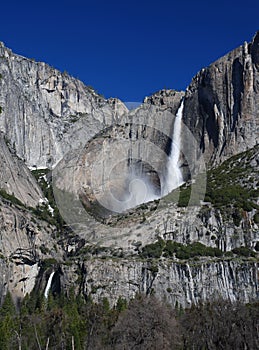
173 172
46 292
141 191
138 189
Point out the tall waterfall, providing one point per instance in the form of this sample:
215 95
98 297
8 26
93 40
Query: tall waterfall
173 173
46 292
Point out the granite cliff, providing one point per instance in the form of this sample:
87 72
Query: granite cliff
191 244
221 104
15 178
44 112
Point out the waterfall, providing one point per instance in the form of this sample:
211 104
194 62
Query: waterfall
46 292
173 173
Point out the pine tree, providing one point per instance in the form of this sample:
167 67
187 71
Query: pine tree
8 308
7 323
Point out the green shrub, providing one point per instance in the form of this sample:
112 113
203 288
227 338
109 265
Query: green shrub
229 185
184 196
153 250
256 218
237 217
247 206
171 247
180 251
46 263
121 304
44 249
197 249
153 269
228 254
243 251
10 197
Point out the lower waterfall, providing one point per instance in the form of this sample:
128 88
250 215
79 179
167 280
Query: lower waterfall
48 286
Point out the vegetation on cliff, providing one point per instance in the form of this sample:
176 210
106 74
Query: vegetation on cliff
233 184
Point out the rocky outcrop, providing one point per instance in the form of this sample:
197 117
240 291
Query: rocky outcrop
45 113
165 99
16 179
208 226
25 242
221 104
178 283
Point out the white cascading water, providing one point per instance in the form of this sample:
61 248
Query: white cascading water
173 172
48 286
141 190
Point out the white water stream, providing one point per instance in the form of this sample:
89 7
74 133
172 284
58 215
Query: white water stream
48 286
173 172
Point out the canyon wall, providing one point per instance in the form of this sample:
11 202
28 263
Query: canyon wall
48 117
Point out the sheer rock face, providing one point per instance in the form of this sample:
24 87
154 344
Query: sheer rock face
181 284
221 104
25 241
16 179
45 113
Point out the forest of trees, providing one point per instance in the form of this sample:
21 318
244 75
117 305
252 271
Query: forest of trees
145 323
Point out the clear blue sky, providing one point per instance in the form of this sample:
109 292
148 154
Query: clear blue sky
128 49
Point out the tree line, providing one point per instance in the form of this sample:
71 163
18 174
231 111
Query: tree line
73 322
